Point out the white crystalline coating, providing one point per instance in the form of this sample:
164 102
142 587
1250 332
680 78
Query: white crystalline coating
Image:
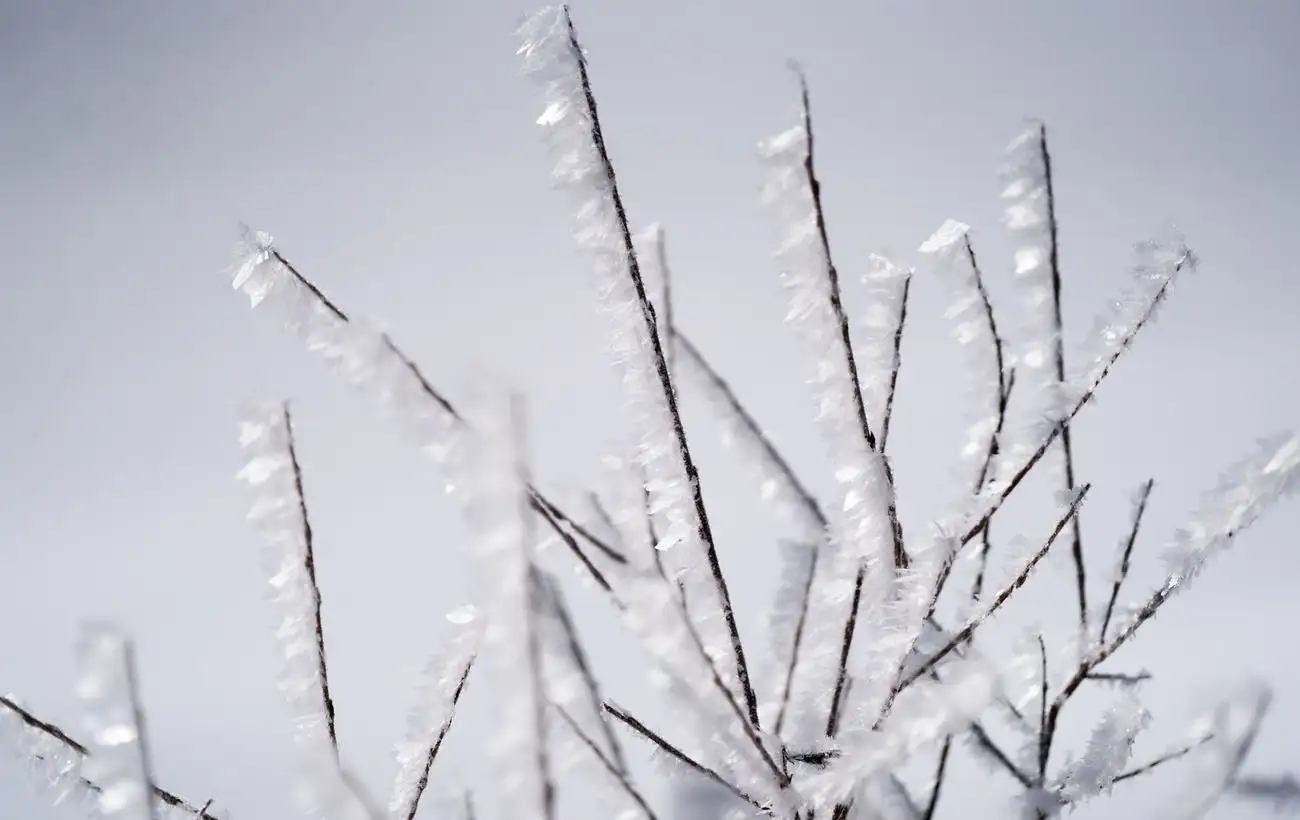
973 329
860 530
884 284
431 717
551 58
1158 265
54 765
277 515
117 762
363 357
489 473
785 622
950 235
1107 755
1244 493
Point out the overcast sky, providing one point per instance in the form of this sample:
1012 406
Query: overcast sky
391 149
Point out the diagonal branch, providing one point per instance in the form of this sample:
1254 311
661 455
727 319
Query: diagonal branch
687 464
616 769
619 714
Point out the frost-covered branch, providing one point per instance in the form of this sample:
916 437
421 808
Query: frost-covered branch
61 757
118 760
622 716
1032 214
431 719
370 361
279 512
552 54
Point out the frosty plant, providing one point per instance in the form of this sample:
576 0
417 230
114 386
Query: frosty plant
857 700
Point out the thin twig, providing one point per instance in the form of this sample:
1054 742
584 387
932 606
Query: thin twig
74 747
441 734
1058 361
841 319
616 769
895 364
619 714
704 531
1143 495
1043 446
941 769
1002 596
309 565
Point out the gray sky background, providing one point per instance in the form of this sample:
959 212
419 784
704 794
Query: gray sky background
391 150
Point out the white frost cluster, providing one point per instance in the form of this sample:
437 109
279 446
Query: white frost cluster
1028 216
117 761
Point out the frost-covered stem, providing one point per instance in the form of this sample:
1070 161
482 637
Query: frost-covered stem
1139 510
551 517
941 770
1167 757
756 434
1006 380
622 716
1001 598
79 751
406 806
616 768
267 254
119 760
1058 361
669 396
895 365
1042 709
309 566
810 519
842 321
846 646
1048 440
796 644
588 677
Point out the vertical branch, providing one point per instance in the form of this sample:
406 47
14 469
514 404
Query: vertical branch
118 761
896 364
842 321
552 46
279 512
309 566
1033 212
